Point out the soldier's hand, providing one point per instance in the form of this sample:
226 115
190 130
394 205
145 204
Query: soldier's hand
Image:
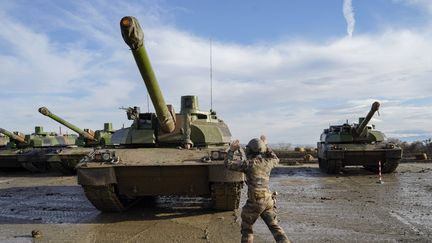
235 145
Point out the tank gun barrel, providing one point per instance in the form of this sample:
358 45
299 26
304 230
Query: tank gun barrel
46 112
134 38
374 108
13 136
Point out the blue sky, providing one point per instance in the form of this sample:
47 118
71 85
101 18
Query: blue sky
286 69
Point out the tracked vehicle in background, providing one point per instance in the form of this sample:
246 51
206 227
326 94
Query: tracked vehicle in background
163 153
10 151
357 144
29 151
4 140
65 159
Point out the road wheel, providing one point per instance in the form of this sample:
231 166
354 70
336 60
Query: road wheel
322 165
387 166
334 166
107 199
390 165
330 166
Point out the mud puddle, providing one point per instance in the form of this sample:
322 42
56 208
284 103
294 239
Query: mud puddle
313 207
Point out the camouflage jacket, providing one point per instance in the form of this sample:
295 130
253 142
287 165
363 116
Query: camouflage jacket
257 169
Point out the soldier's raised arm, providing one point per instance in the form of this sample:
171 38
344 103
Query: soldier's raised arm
269 152
233 164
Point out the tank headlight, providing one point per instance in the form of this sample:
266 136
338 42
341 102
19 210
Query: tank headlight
97 157
215 155
106 156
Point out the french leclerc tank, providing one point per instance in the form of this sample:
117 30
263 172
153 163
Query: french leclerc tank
163 153
10 152
357 144
65 159
29 151
39 144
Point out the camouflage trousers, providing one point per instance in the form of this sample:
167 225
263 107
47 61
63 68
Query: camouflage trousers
264 207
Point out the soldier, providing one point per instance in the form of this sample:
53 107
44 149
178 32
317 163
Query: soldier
257 165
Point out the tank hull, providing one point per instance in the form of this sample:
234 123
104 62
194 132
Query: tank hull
31 159
9 159
333 157
66 159
163 172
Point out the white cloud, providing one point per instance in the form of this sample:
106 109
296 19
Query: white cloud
289 90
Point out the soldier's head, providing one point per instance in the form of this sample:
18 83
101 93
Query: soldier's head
255 147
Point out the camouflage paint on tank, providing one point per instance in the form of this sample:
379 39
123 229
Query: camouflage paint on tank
4 140
86 135
190 127
357 144
15 136
49 139
134 38
166 153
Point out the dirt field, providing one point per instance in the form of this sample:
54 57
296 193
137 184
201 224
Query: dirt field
350 207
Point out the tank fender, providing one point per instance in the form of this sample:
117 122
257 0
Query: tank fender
96 176
218 173
394 154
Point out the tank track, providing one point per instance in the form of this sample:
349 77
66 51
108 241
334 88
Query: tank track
330 166
106 199
226 195
387 167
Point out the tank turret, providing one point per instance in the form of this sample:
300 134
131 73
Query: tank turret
134 38
190 127
364 121
16 137
86 135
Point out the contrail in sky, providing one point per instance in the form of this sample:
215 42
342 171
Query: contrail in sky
348 13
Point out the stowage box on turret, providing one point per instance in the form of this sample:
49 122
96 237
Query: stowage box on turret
357 144
162 153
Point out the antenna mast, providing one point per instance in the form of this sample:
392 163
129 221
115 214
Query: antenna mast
148 103
211 77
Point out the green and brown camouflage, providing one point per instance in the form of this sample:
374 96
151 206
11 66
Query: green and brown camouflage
4 140
29 151
134 37
84 134
43 139
87 137
189 127
65 159
16 137
163 153
357 144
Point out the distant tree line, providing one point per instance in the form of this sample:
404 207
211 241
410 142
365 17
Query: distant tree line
424 146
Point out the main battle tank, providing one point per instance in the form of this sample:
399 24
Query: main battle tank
65 159
9 153
162 154
29 151
357 144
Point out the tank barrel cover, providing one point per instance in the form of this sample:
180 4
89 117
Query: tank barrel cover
13 136
134 38
374 108
46 112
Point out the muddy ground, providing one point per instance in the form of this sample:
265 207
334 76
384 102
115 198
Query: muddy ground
350 207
